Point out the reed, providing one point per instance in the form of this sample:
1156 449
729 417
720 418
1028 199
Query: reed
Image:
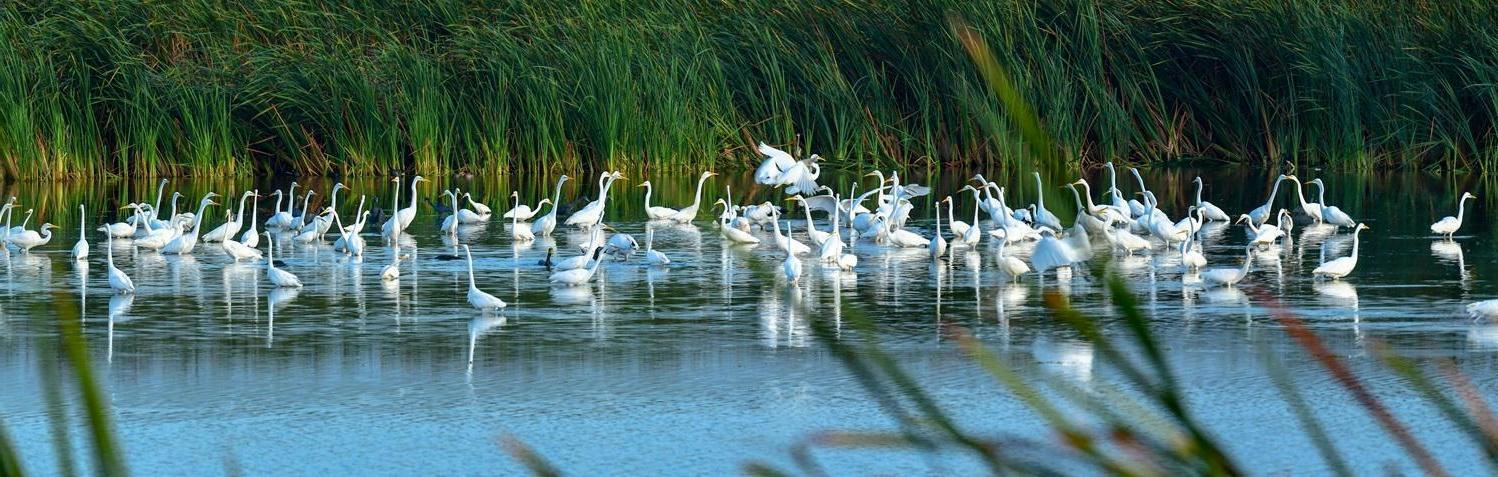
185 87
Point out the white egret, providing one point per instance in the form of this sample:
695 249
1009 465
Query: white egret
251 237
391 229
118 280
229 227
278 277
309 234
30 239
239 251
1311 209
1011 266
392 271
282 218
548 222
970 235
578 276
816 236
1043 216
1051 253
791 267
1260 214
323 223
938 245
787 242
484 211
776 162
1191 257
1228 276
1116 199
183 244
522 212
1089 222
592 214
801 176
9 231
1330 213
298 222
80 249
655 212
1125 239
408 214
1341 267
1449 225
1210 211
450 223
594 244
734 234
468 216
476 297
689 213
622 244
518 233
654 257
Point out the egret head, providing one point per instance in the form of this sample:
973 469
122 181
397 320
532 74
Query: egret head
1468 195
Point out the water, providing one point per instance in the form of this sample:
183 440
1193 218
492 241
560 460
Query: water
702 367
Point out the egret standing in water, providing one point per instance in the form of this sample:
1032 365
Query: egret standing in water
548 222
118 280
1341 267
1449 225
1229 276
478 298
654 257
278 277
80 249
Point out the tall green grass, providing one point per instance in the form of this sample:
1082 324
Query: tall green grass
207 87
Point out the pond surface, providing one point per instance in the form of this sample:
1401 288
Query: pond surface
708 364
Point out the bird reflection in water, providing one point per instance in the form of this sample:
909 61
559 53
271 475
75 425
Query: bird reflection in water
119 305
477 327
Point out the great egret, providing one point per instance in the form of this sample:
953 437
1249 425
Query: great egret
231 227
183 244
9 231
594 244
322 223
1043 216
32 238
160 189
776 162
1261 235
1330 213
392 271
733 234
548 222
791 267
450 223
1228 276
1159 225
1011 266
1089 222
1341 267
124 229
578 276
1137 208
476 297
622 244
938 245
970 235
299 222
484 211
1210 211
468 216
1311 209
1051 253
816 236
282 218
689 213
1260 215
118 280
154 238
1125 239
592 214
278 277
351 232
239 251
1449 225
408 214
801 176
518 233
309 234
654 257
1116 199
1191 258
391 229
786 242
522 212
251 237
80 249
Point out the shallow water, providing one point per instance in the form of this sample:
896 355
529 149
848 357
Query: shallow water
703 366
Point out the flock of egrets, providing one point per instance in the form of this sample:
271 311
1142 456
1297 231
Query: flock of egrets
876 216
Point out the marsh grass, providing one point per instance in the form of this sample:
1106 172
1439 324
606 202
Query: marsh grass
315 87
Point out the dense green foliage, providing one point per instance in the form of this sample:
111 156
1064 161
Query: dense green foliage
316 86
